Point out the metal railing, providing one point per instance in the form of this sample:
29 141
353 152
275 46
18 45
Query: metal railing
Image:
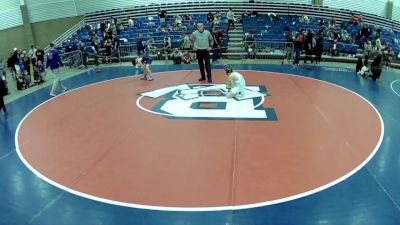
251 50
67 34
72 59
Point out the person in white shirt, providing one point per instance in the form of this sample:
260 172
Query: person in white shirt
131 22
236 83
32 55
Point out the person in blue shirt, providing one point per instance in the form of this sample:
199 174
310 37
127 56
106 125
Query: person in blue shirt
54 62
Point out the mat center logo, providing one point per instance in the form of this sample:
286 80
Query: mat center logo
196 101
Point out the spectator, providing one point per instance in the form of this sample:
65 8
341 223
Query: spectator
27 62
332 24
321 22
177 56
367 50
249 45
360 19
187 58
352 19
32 55
140 46
217 20
39 54
231 18
365 32
186 44
217 38
108 46
3 92
96 42
376 68
298 45
210 17
306 19
167 46
319 49
162 14
359 64
387 55
289 46
11 65
309 46
378 45
131 22
151 45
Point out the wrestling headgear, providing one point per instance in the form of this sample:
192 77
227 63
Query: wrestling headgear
228 69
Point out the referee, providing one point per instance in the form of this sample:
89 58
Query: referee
202 42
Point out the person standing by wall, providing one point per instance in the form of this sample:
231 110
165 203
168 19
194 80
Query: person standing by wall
39 54
202 42
217 35
3 92
54 62
32 55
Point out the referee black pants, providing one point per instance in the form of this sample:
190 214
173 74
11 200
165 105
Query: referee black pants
203 58
2 106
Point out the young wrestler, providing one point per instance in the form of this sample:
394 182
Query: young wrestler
236 83
145 63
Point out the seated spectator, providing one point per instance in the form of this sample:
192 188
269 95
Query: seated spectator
187 58
151 45
378 45
367 50
365 31
344 35
131 22
352 19
176 56
322 22
332 24
360 19
20 83
306 19
210 17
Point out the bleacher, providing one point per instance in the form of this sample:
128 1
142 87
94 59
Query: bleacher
288 12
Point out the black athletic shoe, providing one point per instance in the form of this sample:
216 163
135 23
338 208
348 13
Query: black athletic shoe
209 81
202 79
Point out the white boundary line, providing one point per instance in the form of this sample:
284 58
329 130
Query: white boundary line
391 86
194 209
